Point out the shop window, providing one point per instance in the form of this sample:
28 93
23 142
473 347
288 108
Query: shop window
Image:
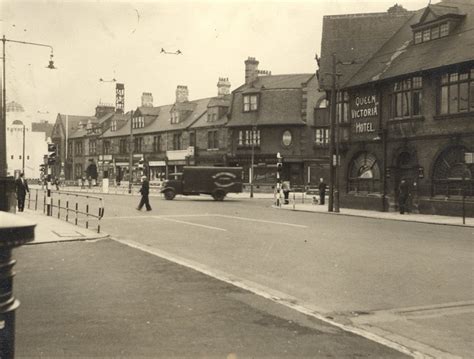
364 174
456 92
448 171
406 98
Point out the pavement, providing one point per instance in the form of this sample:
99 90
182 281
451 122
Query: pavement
36 298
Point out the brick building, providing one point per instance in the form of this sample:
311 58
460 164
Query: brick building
405 105
275 113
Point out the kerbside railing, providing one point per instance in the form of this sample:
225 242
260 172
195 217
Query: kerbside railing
80 209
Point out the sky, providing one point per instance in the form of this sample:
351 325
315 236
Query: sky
123 40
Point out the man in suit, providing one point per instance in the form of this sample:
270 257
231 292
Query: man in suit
21 189
322 191
145 190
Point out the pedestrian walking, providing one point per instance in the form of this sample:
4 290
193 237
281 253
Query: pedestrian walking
322 191
56 182
21 188
403 195
144 190
285 186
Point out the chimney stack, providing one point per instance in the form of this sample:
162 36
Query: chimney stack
223 86
147 99
182 94
251 70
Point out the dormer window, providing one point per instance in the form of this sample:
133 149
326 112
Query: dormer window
431 33
138 122
250 103
444 29
113 126
174 117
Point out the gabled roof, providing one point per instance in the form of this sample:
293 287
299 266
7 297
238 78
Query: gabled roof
73 121
148 111
354 39
122 120
280 101
162 122
291 81
400 56
223 101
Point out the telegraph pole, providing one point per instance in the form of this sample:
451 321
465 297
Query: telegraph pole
130 159
332 137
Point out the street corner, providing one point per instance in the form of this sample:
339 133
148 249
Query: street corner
51 230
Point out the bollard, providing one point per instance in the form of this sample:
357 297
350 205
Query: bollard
14 232
59 208
87 215
67 211
36 200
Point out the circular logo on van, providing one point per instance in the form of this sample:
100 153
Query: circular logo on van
286 138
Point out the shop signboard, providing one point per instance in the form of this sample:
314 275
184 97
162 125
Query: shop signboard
364 112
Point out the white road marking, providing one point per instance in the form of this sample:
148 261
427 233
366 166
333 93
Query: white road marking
190 223
212 215
260 220
275 296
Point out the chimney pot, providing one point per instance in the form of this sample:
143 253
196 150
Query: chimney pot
182 93
147 99
223 86
251 70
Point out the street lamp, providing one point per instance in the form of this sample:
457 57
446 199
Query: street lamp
4 196
333 203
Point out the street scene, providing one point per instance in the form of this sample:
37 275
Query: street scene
171 186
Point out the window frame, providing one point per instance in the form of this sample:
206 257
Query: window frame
248 104
247 136
405 93
461 81
321 141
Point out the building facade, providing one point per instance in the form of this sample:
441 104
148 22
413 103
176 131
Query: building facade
272 114
406 111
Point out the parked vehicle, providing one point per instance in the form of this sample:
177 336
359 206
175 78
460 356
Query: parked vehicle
195 180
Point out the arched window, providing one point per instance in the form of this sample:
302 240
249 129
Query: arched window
448 172
364 174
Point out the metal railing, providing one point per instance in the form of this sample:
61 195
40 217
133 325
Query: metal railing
74 207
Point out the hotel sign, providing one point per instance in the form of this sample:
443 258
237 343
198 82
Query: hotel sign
365 111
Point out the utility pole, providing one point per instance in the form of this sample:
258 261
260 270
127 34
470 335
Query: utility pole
332 136
130 160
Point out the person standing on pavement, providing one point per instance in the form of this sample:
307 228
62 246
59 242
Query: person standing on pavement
144 190
285 186
403 195
322 191
21 188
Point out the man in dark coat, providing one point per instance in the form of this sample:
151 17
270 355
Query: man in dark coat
145 190
21 189
403 195
322 191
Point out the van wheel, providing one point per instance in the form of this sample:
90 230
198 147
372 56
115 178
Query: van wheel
218 195
169 194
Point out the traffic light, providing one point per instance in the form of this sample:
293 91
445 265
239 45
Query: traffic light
141 163
52 153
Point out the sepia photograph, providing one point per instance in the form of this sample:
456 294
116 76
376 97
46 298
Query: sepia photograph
237 179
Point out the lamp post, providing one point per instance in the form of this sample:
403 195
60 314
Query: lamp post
252 158
6 192
333 203
23 154
130 159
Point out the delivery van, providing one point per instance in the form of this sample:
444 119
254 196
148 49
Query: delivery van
196 180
